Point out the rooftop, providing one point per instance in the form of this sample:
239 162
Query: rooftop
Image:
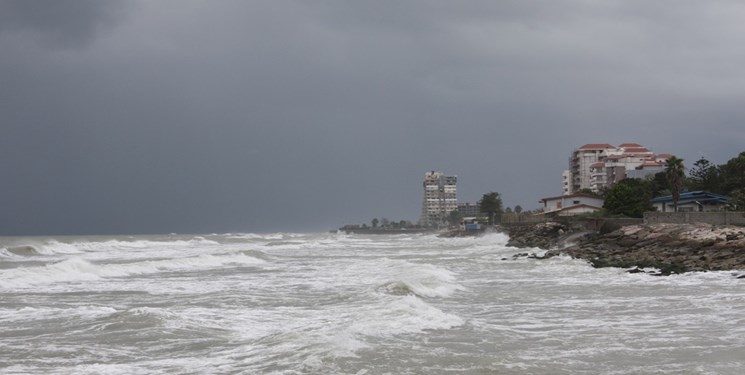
575 195
596 146
694 196
636 149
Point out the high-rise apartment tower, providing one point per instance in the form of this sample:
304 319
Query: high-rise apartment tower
439 198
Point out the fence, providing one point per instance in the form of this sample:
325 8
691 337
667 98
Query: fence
714 218
574 222
522 219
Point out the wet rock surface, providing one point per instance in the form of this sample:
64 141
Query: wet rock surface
543 236
667 248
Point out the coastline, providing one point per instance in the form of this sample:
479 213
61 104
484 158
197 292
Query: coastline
669 248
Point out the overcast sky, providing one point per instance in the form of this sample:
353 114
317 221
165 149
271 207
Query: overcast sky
254 116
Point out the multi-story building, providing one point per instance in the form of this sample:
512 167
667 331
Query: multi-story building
439 198
566 178
580 164
469 210
598 166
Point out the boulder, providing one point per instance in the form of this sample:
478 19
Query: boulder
670 248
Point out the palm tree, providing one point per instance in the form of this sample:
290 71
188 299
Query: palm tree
675 173
491 204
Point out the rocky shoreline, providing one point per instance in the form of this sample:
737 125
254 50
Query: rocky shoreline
666 248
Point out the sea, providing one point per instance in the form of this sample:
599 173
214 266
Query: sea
333 303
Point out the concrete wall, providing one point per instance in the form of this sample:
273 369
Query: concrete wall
576 223
715 218
524 219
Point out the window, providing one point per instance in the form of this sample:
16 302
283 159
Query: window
575 202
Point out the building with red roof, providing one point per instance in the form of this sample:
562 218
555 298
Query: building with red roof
598 166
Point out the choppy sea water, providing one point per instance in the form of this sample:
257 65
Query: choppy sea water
351 304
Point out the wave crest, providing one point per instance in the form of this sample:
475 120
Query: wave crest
423 280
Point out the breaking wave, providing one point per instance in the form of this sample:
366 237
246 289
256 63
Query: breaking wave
77 269
424 280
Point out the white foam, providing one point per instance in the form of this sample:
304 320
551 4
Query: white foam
78 269
27 313
426 280
56 247
407 314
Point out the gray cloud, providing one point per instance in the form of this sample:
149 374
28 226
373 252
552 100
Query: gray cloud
294 115
59 23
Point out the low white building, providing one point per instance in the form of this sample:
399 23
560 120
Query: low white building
572 204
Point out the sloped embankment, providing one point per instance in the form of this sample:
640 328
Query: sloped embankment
672 248
543 235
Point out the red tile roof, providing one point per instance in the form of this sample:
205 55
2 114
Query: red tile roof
630 145
596 146
636 149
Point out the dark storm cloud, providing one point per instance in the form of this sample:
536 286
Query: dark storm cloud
271 115
58 23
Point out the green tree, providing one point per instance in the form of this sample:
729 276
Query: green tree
518 209
733 174
491 204
704 176
629 197
657 184
737 201
374 222
454 218
675 173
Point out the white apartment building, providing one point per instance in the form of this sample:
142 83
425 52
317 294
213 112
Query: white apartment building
580 163
597 166
439 198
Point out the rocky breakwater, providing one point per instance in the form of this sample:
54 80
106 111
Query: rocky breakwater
543 235
669 248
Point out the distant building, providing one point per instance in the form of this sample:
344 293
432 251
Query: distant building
581 162
439 198
566 178
469 210
689 201
598 166
572 204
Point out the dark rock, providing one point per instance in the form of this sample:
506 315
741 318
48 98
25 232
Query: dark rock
543 236
671 249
